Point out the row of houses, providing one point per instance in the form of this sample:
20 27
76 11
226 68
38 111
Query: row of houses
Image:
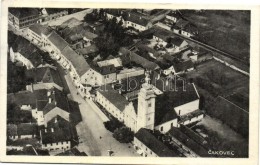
129 19
24 17
174 21
51 110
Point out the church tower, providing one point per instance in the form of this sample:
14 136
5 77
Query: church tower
146 105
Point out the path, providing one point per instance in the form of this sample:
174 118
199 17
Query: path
79 15
92 127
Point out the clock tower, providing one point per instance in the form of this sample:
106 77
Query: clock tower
146 105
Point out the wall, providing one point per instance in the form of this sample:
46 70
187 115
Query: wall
129 73
60 146
146 151
109 107
187 108
192 120
43 86
38 115
171 18
167 126
130 117
54 112
162 25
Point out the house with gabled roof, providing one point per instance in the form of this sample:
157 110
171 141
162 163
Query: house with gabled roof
129 101
43 104
173 16
21 131
22 17
147 145
185 28
26 53
34 33
137 22
187 143
43 78
53 13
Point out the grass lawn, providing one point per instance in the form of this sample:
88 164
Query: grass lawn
221 137
226 30
224 81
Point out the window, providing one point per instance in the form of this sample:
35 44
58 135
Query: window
150 104
171 125
161 128
149 118
151 152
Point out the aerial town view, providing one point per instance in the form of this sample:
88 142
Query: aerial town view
128 82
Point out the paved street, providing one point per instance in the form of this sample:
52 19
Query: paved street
79 15
91 129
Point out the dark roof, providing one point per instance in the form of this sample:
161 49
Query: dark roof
40 29
78 61
26 129
28 50
39 99
23 12
59 135
138 59
44 75
154 144
137 18
190 143
12 130
88 50
57 40
183 66
162 33
177 41
181 23
104 70
27 97
54 10
174 14
72 152
179 96
113 96
59 99
193 135
114 12
163 110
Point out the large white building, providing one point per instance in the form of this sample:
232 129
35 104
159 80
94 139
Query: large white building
153 104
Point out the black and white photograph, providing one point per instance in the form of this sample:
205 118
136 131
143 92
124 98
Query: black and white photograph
128 82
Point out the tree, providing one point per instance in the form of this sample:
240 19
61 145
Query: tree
123 135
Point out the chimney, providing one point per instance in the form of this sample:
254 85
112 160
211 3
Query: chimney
48 93
32 86
50 100
45 130
167 82
55 120
52 130
120 91
140 17
159 75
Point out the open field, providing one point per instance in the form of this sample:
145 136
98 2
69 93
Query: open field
221 137
226 30
225 80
